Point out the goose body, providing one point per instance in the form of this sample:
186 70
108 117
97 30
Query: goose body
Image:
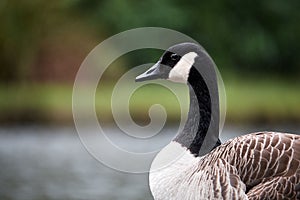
263 165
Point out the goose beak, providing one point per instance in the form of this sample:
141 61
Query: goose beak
153 73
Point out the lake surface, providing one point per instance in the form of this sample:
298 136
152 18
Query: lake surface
49 163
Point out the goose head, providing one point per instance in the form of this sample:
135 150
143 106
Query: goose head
189 63
174 65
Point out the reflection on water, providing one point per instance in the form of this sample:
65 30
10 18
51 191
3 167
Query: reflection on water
51 163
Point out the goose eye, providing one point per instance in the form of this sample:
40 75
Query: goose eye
174 56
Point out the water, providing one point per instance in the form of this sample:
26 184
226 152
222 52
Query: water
39 163
42 163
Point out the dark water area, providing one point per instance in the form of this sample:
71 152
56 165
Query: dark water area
50 163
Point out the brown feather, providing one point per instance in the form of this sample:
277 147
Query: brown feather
267 162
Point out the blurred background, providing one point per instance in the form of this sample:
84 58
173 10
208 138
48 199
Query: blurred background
255 45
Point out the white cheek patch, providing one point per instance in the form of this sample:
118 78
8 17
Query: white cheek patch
181 70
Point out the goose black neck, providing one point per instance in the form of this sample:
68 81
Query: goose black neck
199 118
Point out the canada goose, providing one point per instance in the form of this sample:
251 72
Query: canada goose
263 165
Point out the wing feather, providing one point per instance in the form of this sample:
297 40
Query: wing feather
267 162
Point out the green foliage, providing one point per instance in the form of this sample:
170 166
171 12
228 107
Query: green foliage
260 36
